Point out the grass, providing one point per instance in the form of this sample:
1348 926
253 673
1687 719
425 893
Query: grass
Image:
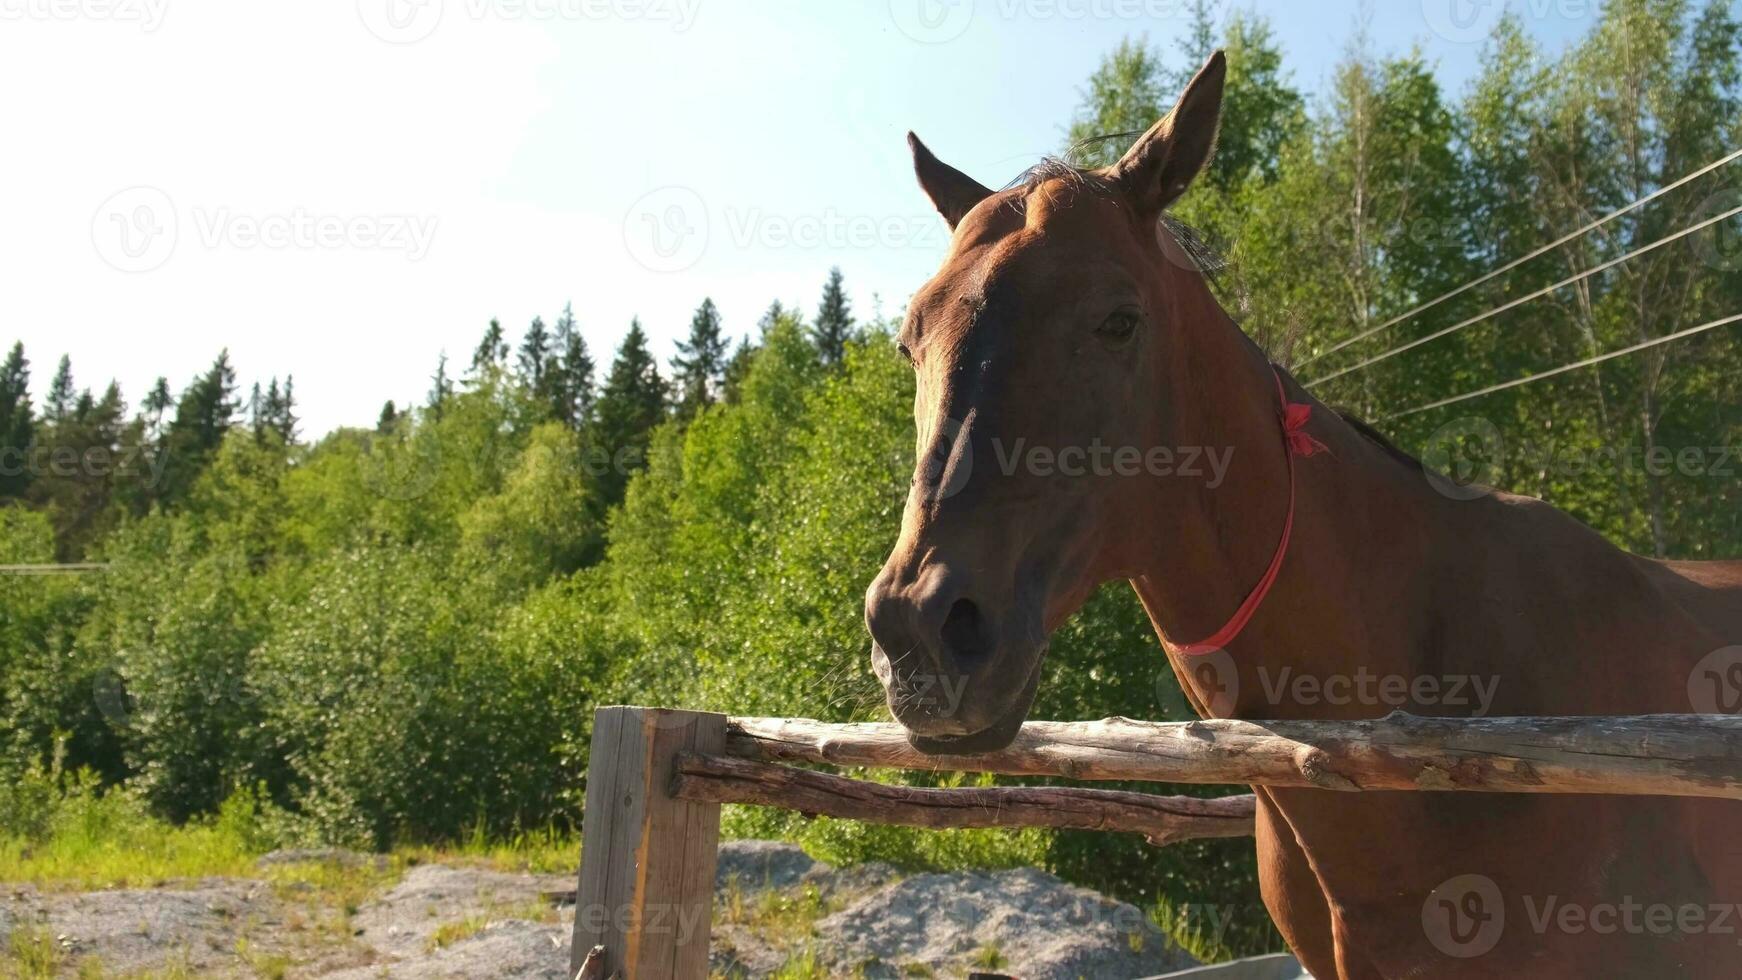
990 957
31 955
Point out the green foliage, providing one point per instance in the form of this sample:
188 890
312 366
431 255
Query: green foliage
395 635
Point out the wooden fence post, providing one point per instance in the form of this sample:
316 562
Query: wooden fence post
647 859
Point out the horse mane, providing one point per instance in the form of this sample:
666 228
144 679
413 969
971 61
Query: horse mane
1377 438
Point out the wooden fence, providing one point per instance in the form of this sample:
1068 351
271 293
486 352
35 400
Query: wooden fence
657 778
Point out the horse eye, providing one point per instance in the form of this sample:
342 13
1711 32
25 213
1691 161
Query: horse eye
905 353
1118 328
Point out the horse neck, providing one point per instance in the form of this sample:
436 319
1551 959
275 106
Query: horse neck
1208 546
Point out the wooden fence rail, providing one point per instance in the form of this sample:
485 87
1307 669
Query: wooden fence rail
657 778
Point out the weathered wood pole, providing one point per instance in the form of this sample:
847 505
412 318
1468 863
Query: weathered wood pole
1662 755
647 859
1160 819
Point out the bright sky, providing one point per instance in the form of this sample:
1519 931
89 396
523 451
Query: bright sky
342 189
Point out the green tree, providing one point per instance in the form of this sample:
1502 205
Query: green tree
631 404
203 417
1122 99
17 423
537 370
492 350
833 328
62 395
736 370
699 367
572 392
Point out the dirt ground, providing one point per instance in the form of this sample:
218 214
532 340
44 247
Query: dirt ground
341 916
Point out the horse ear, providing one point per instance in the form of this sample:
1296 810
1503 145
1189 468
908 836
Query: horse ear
1160 166
952 192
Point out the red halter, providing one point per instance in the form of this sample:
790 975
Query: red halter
1294 417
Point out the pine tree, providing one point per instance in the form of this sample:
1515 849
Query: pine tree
283 408
535 361
700 366
630 406
492 350
155 408
388 418
834 327
737 369
203 417
775 313
62 399
573 391
440 389
17 426
257 412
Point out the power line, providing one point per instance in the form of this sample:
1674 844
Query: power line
1515 263
1563 369
1454 328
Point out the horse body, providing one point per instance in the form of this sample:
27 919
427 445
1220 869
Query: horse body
1483 603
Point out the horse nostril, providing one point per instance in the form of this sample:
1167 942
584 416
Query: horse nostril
963 633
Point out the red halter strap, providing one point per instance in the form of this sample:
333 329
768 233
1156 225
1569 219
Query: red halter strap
1294 417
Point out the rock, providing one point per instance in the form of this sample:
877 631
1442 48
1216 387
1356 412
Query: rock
756 864
1024 922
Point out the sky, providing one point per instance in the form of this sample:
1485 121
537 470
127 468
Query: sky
342 190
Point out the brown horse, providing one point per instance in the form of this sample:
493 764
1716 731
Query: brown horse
1069 359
